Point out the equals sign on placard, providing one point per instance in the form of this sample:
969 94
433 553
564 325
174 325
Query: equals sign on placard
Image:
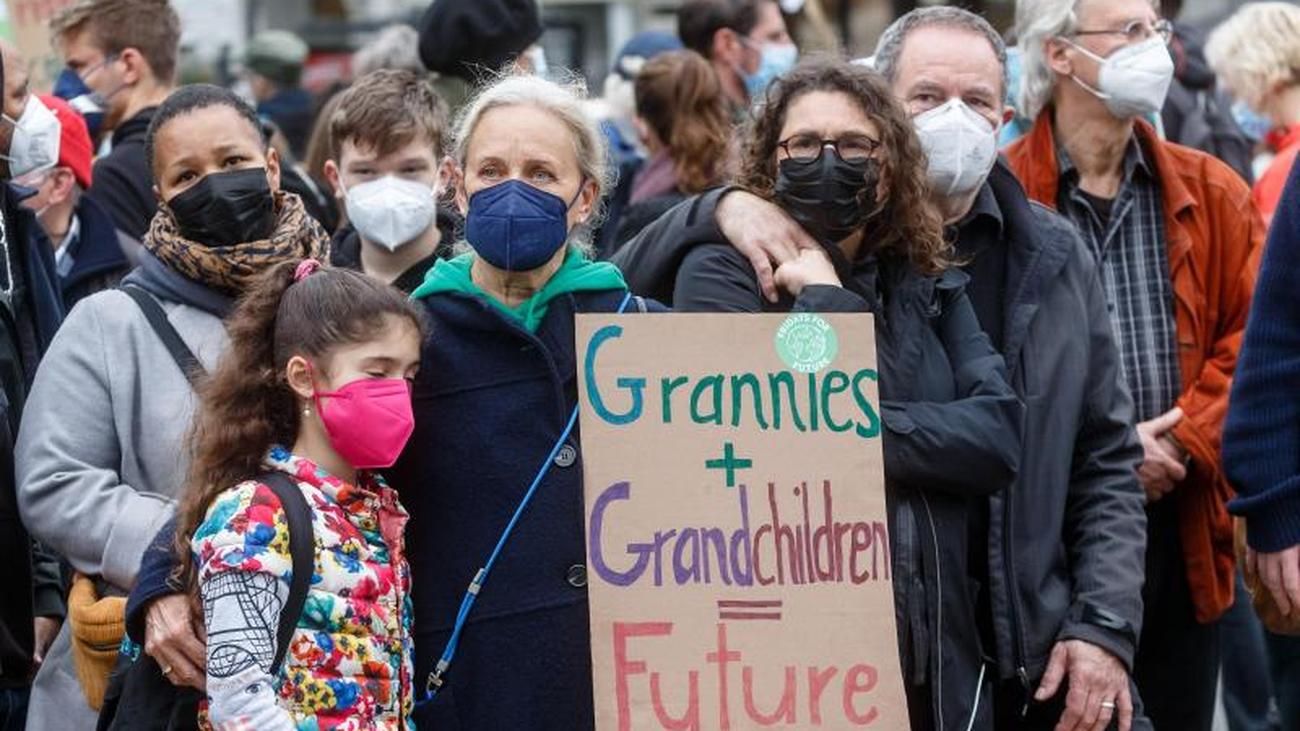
749 609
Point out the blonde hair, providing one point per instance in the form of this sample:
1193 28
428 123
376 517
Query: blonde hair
1257 49
563 101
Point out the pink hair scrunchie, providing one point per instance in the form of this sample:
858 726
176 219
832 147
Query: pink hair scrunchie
305 269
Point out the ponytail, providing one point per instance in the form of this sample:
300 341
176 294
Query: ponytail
678 94
246 406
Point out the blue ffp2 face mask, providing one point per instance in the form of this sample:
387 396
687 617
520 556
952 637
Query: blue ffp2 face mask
517 227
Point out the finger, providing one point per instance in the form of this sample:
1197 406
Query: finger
766 279
1167 420
1090 710
1075 700
1052 676
193 649
1104 715
1176 470
175 667
1272 577
1124 703
1291 578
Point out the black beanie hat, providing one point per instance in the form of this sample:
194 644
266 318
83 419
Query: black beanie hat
465 37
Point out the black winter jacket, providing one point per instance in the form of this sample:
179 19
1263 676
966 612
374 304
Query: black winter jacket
122 182
1068 539
952 435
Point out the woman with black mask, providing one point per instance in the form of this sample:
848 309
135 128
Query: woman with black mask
832 147
100 458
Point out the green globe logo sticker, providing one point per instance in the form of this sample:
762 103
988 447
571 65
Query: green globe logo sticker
806 343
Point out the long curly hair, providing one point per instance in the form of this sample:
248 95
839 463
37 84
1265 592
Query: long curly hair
678 94
907 224
246 405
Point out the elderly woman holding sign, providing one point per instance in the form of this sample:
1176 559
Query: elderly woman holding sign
833 148
495 430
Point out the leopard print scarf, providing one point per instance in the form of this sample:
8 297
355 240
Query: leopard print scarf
232 269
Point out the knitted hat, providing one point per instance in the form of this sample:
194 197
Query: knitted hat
461 38
278 55
75 150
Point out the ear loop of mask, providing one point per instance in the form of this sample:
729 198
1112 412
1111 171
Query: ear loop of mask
1100 62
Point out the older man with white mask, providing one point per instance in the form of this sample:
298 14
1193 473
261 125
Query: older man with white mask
1178 239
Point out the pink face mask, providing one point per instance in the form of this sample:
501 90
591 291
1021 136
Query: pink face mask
368 420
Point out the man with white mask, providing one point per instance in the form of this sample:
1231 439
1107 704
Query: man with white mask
388 172
1178 239
1057 555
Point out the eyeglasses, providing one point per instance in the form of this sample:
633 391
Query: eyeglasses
1138 30
849 148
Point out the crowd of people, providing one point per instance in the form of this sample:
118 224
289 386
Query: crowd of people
278 370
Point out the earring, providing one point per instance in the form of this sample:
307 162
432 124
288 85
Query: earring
306 411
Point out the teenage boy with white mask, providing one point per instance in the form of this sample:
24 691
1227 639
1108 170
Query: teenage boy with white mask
1057 556
388 172
1178 240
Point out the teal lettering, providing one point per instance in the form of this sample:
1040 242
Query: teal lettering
872 427
637 385
668 385
775 381
713 383
738 384
836 382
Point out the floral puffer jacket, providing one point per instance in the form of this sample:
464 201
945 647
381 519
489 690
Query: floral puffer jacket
349 664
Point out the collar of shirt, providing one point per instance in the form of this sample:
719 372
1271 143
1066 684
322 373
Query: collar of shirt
1134 160
63 259
981 226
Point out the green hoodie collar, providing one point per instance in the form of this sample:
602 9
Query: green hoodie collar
576 274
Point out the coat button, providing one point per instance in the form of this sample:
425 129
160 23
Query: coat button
566 456
577 576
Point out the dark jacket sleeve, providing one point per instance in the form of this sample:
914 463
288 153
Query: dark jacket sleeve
1105 520
968 446
651 260
153 581
47 583
116 189
1261 436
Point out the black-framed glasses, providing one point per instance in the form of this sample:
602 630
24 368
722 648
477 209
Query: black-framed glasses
1138 30
849 148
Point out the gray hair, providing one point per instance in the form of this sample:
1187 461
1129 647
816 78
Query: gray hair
396 47
890 46
1037 22
565 101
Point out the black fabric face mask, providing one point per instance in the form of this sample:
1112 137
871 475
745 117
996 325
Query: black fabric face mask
829 197
226 208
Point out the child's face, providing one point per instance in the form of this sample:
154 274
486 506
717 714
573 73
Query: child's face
356 164
209 140
394 352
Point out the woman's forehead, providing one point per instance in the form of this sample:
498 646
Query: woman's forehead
827 112
522 130
212 126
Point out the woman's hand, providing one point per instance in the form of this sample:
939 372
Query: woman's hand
811 266
174 639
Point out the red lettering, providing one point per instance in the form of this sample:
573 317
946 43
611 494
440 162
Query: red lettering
690 720
722 657
623 668
758 568
817 682
784 711
859 679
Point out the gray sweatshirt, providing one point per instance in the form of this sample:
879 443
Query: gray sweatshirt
100 454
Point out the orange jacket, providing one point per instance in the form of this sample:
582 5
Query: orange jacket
1268 189
1215 237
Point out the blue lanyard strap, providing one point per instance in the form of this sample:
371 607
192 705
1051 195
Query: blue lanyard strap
435 681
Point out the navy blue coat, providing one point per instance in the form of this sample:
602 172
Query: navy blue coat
490 403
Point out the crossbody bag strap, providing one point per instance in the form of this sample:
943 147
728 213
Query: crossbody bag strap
302 546
436 679
162 327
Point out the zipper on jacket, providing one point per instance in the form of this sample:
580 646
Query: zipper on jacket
1013 603
938 629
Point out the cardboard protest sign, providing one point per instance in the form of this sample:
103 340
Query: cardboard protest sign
738 550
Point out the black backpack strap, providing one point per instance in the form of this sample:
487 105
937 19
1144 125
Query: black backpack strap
180 352
302 546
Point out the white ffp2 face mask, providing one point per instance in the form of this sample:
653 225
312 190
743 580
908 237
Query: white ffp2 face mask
35 141
960 147
1134 80
391 211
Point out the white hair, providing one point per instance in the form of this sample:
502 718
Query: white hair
1037 22
396 47
566 102
1257 49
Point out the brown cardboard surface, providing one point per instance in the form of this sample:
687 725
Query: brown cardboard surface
697 620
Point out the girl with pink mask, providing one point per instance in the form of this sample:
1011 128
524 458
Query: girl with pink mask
312 395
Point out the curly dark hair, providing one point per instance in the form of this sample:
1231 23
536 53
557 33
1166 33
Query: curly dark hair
908 225
245 405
